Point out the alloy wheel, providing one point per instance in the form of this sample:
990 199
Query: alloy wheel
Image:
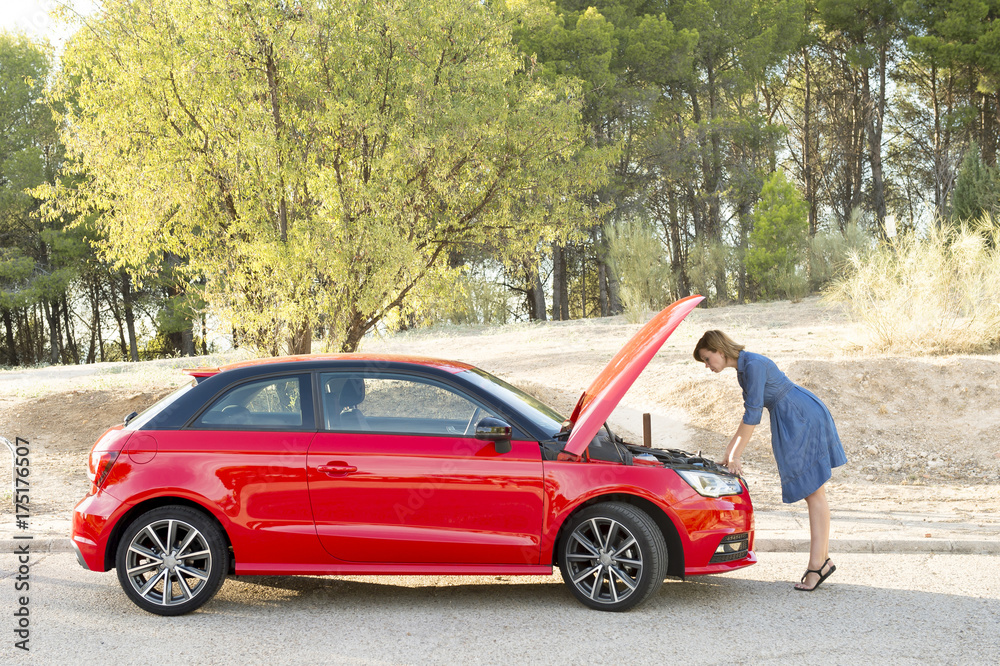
604 560
168 562
171 560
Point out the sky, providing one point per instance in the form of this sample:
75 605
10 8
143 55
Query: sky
32 17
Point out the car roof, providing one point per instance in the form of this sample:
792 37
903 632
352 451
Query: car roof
441 364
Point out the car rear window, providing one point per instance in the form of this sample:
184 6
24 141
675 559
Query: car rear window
269 404
157 407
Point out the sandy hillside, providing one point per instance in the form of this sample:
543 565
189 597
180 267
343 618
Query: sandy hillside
906 420
919 429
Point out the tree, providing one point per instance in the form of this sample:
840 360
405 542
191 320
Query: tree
315 163
964 35
624 53
779 240
739 42
38 260
869 29
977 188
637 255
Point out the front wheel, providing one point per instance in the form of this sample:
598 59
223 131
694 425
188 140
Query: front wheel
171 560
613 556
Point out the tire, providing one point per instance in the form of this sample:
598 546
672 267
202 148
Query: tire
613 556
191 572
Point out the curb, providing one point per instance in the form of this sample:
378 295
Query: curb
761 545
883 546
37 545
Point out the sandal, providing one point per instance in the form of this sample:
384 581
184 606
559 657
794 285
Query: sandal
818 572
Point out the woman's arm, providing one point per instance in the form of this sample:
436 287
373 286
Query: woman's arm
735 449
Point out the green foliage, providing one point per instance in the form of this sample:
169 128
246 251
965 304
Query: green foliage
614 49
706 260
977 188
477 299
635 253
830 251
37 261
315 162
26 126
936 294
776 257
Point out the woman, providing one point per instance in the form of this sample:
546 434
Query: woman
803 437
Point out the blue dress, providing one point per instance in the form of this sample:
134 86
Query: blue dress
803 436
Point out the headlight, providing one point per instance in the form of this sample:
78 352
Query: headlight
711 484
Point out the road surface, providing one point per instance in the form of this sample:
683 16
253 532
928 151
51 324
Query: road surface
892 609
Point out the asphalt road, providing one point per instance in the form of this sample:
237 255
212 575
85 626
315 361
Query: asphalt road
875 609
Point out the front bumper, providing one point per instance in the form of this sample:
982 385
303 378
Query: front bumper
720 533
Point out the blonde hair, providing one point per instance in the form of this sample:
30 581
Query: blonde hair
719 342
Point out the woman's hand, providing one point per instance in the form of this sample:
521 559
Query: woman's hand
739 441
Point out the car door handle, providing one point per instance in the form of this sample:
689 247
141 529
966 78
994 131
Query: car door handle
337 470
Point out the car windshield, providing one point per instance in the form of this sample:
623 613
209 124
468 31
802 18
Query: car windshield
541 415
158 407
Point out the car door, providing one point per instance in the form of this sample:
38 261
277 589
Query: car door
246 452
396 476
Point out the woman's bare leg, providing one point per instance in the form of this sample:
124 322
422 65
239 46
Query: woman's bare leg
819 535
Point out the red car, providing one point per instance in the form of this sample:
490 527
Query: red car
376 464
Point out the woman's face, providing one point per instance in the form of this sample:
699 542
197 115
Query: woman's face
714 361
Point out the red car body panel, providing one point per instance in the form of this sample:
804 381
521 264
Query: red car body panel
701 522
422 499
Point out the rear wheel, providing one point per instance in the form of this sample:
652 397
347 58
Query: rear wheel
613 556
171 560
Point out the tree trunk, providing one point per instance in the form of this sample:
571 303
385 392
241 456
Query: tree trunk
536 292
991 119
70 337
858 147
300 341
111 297
677 262
356 330
8 325
558 277
133 345
875 112
808 169
744 222
614 294
39 316
563 288
204 335
937 139
55 341
602 287
95 324
271 70
187 341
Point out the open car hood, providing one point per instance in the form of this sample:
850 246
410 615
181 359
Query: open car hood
603 395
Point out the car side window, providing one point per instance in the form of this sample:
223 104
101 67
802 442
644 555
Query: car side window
355 402
270 404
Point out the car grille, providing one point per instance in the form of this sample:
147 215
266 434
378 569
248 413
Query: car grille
732 547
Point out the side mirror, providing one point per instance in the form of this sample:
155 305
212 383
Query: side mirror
496 431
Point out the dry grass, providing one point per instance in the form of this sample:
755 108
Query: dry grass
939 294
